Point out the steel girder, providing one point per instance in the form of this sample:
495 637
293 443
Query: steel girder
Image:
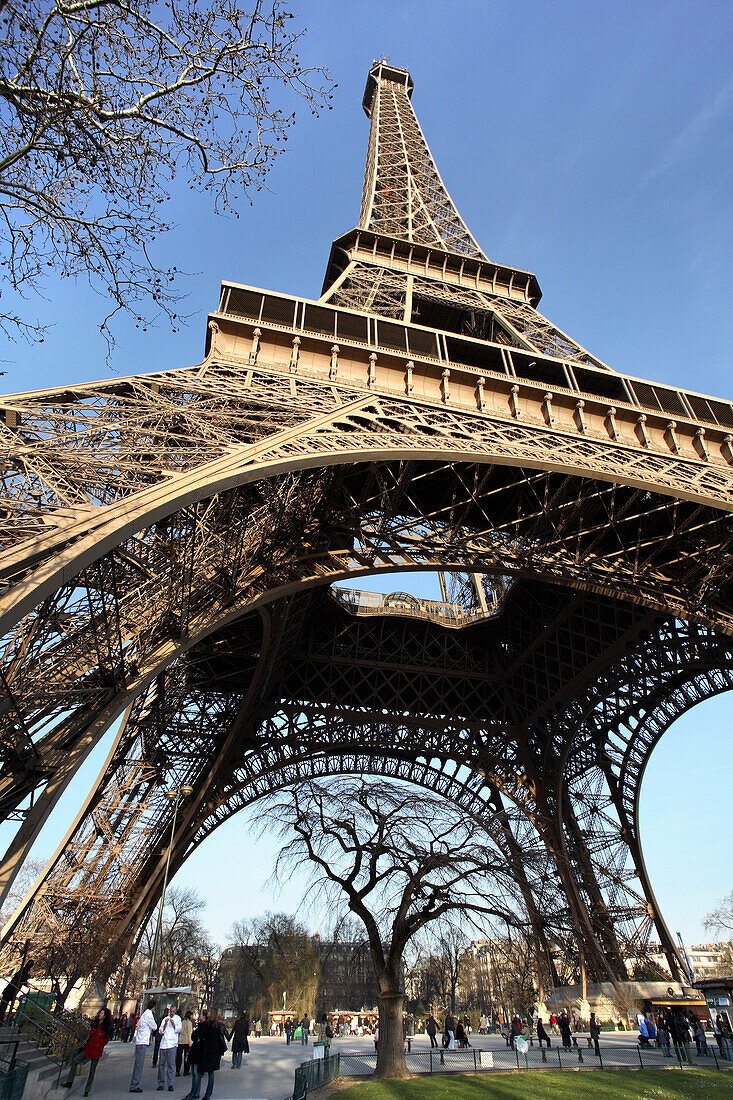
166 543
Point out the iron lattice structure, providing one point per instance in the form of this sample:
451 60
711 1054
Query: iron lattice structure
170 541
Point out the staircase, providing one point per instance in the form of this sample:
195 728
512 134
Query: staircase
43 1071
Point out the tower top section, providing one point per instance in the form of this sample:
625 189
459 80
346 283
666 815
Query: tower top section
381 70
404 195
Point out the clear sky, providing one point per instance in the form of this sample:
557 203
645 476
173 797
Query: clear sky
590 143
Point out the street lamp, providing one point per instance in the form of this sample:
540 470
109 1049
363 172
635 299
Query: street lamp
173 795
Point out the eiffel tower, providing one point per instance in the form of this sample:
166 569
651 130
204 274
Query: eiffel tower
170 543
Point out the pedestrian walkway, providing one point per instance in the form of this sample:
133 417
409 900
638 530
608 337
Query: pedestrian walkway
268 1072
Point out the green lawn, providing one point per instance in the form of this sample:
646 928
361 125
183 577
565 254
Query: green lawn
652 1084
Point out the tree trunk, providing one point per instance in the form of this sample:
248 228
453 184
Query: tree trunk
391 1050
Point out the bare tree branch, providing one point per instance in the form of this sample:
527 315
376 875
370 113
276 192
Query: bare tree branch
103 103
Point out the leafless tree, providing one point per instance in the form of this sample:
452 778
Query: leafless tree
186 952
400 859
721 918
103 103
22 883
445 945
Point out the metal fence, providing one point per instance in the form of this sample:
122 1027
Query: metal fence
476 1059
13 1073
311 1075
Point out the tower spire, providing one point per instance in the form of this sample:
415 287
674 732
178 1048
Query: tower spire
404 195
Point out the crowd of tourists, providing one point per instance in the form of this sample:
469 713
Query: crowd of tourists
676 1030
182 1046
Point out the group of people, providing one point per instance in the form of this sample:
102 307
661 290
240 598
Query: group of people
456 1029
675 1029
183 1046
300 1029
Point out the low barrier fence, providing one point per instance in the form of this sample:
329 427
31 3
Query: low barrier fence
476 1059
311 1075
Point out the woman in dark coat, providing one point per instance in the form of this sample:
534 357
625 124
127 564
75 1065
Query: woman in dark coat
461 1035
207 1046
240 1040
564 1023
542 1036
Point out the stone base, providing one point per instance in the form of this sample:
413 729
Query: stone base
609 1003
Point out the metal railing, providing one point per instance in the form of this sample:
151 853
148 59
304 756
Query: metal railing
477 1059
58 1035
13 1073
405 604
13 1077
312 1075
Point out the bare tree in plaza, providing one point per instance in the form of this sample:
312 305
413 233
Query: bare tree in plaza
399 859
186 952
721 918
273 954
103 103
449 948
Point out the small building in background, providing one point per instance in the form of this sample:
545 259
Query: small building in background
718 993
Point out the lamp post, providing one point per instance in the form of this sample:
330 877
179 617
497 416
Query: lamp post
173 795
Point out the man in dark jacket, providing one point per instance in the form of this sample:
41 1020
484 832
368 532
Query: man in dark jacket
682 1035
207 1046
431 1027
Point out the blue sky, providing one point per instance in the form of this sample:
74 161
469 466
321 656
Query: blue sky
590 143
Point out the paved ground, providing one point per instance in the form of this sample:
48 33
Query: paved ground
268 1071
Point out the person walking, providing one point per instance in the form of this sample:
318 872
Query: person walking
91 1051
431 1027
450 1030
304 1029
595 1034
515 1029
184 1045
542 1036
169 1030
240 1040
145 1027
13 987
288 1031
682 1032
701 1040
207 1046
663 1038
722 1024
